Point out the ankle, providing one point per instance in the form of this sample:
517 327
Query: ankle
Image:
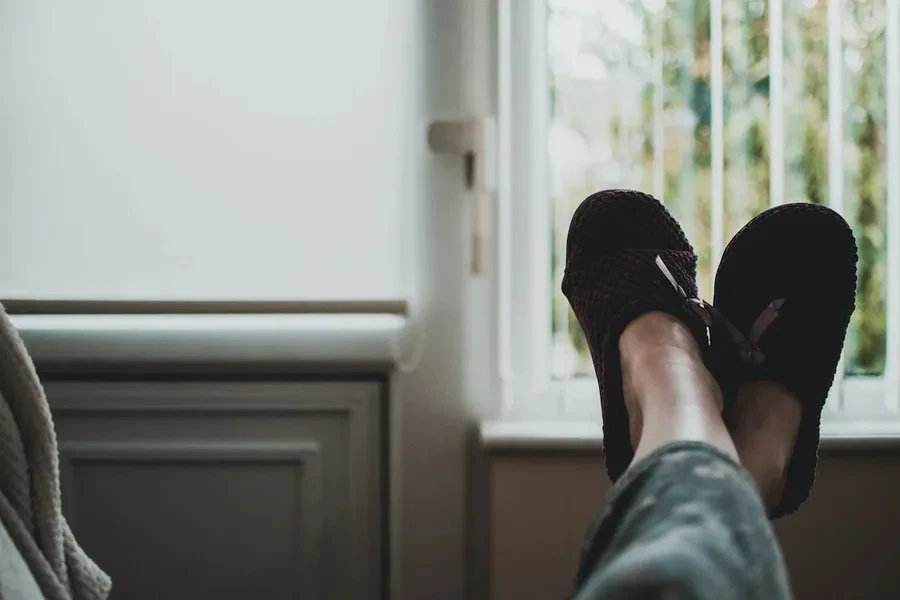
768 475
764 422
656 334
658 348
765 418
669 393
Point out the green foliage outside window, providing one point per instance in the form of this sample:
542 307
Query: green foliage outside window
684 42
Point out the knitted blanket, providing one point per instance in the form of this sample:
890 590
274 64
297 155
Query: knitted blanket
30 505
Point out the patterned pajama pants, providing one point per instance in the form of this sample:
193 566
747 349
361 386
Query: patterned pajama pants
685 522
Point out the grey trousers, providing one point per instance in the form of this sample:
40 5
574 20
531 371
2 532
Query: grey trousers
685 522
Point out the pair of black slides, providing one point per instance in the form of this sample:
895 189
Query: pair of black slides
784 293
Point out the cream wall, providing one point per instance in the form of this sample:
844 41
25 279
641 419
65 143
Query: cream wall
844 543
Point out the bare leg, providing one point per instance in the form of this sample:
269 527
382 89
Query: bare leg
669 392
764 424
689 524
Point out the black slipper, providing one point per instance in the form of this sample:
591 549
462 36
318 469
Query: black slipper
786 286
626 256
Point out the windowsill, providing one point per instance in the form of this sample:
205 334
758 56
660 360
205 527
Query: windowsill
345 339
525 436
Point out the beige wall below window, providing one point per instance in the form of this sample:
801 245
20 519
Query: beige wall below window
844 543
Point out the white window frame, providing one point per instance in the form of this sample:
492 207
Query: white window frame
856 405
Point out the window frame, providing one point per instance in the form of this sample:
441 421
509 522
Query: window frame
855 406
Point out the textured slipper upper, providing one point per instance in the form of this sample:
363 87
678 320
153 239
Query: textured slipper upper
804 255
612 277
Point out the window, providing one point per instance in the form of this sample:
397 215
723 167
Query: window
720 108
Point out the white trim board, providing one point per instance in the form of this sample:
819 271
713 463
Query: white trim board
21 306
357 339
588 436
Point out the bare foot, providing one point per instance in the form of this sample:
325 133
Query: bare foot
669 393
763 424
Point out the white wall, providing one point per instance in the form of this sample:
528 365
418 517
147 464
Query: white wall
280 151
205 148
438 402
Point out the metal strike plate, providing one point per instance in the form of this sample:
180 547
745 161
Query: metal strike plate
475 142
